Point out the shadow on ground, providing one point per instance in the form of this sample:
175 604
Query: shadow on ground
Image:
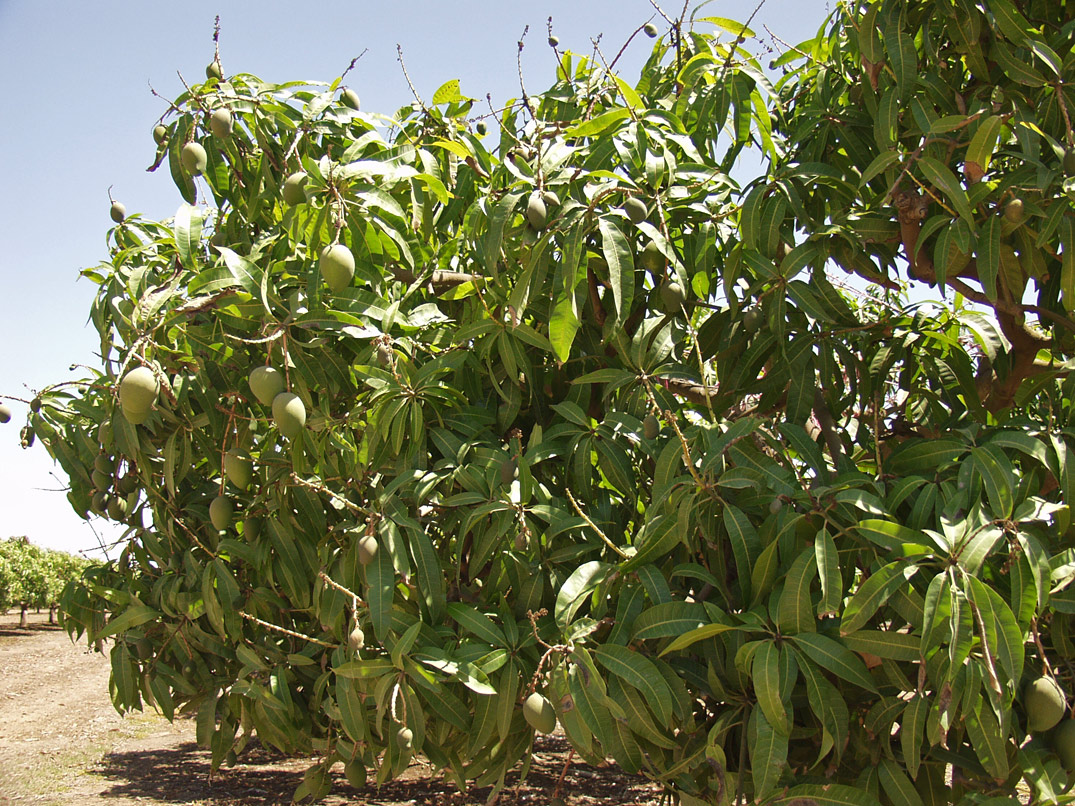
181 775
10 631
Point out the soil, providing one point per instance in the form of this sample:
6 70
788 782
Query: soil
62 743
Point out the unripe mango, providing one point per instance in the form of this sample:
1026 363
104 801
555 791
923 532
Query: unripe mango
220 512
266 383
539 713
1045 704
289 414
193 158
337 266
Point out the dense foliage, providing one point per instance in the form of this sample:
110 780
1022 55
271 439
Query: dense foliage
591 419
35 577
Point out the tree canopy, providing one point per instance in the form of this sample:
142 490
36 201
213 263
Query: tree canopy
541 400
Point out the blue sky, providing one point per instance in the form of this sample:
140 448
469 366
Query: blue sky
79 113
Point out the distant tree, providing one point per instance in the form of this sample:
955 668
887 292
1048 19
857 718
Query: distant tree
33 577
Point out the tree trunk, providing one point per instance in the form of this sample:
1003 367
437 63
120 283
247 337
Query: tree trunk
23 624
52 614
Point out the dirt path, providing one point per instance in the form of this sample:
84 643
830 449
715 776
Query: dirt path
62 743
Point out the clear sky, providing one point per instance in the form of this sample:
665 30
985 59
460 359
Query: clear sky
79 113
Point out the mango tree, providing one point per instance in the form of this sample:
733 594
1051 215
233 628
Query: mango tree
433 430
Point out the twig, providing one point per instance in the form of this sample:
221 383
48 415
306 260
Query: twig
593 525
286 631
328 581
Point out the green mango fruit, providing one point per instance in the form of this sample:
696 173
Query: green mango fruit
138 391
221 510
673 296
651 426
266 383
539 713
356 639
294 191
220 123
652 258
636 210
238 468
118 212
289 414
1045 704
355 772
193 158
367 549
350 99
535 212
1063 741
337 266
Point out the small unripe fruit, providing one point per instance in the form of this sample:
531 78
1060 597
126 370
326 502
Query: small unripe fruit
672 296
752 319
118 212
350 99
775 506
1013 211
636 209
480 128
220 123
356 639
539 713
1069 162
1064 744
104 435
99 503
651 426
231 759
160 134
138 391
404 738
1045 704
266 383
652 258
367 549
117 508
193 158
650 30
238 469
384 355
5 413
220 512
251 528
337 266
103 463
294 191
554 41
127 484
35 404
535 212
212 70
289 414
355 772
101 481
550 199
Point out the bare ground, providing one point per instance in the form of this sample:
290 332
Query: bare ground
62 743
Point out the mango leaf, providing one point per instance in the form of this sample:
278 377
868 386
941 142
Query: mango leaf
834 657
